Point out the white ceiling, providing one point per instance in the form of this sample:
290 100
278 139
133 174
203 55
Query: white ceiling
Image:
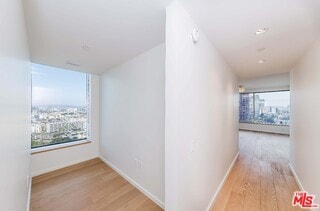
231 24
115 31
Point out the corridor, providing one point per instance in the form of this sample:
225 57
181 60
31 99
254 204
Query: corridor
261 178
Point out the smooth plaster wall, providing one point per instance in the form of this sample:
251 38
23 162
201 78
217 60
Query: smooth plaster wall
275 82
278 129
132 120
201 115
305 114
15 107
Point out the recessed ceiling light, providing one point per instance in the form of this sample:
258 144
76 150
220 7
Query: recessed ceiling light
261 31
261 49
72 64
261 61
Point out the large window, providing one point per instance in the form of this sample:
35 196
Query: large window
59 106
271 108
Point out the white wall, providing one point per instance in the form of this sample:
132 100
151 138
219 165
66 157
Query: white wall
132 120
285 130
51 160
305 115
201 106
15 107
275 82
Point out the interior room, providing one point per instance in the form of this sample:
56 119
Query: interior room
178 105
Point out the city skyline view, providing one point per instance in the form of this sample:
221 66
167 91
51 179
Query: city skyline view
280 98
59 106
265 108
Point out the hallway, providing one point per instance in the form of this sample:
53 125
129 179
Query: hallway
261 178
137 105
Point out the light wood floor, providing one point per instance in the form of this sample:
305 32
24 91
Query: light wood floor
91 186
261 178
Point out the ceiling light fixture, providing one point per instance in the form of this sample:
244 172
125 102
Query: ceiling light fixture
261 61
261 31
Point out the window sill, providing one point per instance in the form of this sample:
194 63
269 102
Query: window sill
58 146
254 123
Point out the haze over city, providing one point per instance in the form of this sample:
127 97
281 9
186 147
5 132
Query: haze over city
55 86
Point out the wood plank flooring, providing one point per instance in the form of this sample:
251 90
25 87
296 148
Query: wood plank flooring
261 178
90 186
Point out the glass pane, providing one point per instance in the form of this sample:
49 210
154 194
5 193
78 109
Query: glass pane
265 108
272 108
59 106
246 108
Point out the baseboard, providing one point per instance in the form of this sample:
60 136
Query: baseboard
214 198
29 193
134 183
47 170
299 182
296 177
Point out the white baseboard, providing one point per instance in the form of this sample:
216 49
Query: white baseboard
299 182
29 193
47 170
296 177
214 198
134 183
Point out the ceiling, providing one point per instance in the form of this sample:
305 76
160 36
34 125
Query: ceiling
93 35
231 25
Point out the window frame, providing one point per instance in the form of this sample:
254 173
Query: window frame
258 92
88 140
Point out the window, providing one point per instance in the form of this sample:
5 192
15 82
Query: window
271 108
60 105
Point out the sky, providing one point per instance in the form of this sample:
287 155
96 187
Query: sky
276 98
54 86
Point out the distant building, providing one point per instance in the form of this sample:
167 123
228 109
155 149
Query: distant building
36 128
58 123
244 107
